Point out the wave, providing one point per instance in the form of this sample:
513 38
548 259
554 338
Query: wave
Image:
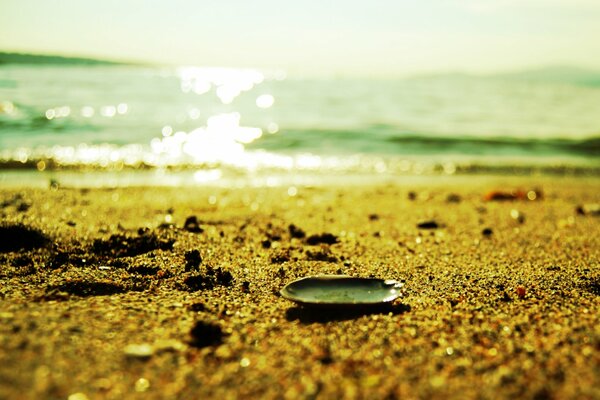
383 139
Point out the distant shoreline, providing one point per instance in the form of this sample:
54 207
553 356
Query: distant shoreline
42 59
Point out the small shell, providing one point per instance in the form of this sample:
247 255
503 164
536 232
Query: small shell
341 290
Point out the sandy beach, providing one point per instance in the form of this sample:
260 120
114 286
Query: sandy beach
164 292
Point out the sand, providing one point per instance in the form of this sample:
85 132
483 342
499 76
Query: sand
103 297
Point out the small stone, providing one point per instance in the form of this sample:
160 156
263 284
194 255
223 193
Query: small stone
431 224
412 195
141 385
192 225
323 238
204 334
521 291
487 232
296 232
245 362
141 351
193 259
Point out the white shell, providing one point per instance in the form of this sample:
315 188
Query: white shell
341 290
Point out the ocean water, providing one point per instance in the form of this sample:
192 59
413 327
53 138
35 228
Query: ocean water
217 122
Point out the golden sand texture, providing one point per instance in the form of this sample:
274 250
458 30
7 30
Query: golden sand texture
102 295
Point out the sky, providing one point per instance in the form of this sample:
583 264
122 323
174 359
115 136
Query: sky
343 37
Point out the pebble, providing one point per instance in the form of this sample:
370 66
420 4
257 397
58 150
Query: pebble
205 334
431 224
142 384
192 225
142 350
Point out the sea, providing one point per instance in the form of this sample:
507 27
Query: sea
175 125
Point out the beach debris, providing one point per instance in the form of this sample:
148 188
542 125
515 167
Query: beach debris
211 278
296 232
139 351
588 209
192 225
322 238
321 254
341 290
487 232
280 256
501 195
204 334
119 245
17 237
193 259
429 224
517 215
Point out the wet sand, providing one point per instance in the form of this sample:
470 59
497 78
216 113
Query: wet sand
102 295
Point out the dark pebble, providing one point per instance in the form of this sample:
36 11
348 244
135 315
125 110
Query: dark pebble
266 244
194 283
412 196
296 232
223 277
204 334
487 232
245 286
192 225
280 256
126 246
193 259
323 238
428 225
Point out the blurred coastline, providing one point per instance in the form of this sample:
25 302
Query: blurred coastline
200 125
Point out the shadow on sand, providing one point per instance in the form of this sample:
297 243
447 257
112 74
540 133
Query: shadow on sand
323 314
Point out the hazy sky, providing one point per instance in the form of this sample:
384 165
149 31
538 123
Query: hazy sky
349 37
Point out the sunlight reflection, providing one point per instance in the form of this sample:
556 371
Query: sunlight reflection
229 82
108 111
58 112
221 140
122 108
265 101
87 112
6 107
